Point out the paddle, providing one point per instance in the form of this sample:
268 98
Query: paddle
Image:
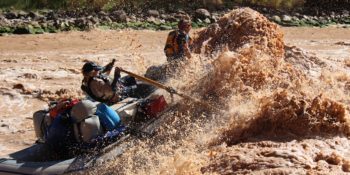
167 88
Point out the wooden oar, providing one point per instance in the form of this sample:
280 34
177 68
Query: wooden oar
167 88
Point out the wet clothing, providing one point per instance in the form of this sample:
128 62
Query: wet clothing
101 89
175 43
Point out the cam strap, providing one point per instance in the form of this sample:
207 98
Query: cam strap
80 135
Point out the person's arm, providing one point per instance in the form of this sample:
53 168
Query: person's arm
186 46
116 78
107 69
187 50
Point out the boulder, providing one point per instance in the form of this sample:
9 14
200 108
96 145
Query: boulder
34 24
52 15
4 21
22 14
294 18
80 22
43 25
306 17
132 18
312 22
202 14
276 19
45 11
94 19
179 16
181 12
33 15
151 19
11 15
153 13
163 16
286 18
169 18
107 19
102 13
207 21
119 16
199 20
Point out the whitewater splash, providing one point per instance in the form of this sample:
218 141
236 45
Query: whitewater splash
275 117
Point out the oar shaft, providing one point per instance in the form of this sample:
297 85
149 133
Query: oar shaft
169 89
145 79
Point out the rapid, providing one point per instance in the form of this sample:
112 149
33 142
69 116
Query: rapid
273 114
274 108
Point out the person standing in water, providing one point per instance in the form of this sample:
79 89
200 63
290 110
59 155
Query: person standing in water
178 43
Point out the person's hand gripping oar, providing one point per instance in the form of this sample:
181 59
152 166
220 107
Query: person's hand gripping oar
167 88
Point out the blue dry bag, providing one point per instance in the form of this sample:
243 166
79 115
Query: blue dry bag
108 117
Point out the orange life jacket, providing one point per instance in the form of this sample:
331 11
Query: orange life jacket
174 44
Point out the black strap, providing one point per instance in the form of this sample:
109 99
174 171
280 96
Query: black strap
80 136
175 36
43 127
180 39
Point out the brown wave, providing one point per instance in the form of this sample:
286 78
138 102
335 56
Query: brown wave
285 115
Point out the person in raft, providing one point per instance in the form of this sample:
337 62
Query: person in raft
98 85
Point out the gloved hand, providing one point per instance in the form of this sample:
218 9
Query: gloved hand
117 72
116 78
109 66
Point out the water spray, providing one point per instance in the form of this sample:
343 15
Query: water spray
167 88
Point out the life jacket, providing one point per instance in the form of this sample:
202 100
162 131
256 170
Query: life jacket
86 88
174 44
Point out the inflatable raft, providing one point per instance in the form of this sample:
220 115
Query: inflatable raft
40 159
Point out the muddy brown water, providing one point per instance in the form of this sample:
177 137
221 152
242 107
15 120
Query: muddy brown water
37 68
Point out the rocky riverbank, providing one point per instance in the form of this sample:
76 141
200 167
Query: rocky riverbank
51 21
